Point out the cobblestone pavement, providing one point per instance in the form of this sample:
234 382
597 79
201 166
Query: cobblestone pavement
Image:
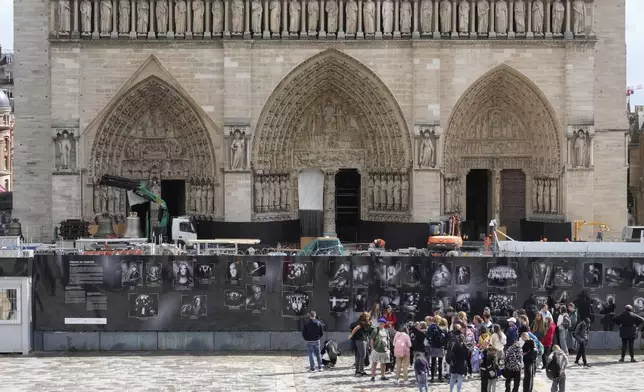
253 373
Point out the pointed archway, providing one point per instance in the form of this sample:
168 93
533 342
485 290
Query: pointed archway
332 112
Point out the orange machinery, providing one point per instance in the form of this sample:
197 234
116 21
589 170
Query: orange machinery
440 241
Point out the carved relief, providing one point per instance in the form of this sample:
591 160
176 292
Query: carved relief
197 16
294 8
238 16
256 16
545 195
142 16
65 145
180 11
275 16
86 17
332 16
201 197
578 17
106 17
64 25
463 16
124 16
483 14
272 192
445 11
452 195
558 14
427 148
388 191
387 16
520 16
537 17
161 11
352 16
313 10
426 13
369 17
501 22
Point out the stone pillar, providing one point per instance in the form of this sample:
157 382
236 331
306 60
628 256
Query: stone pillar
548 10
492 33
329 201
267 28
133 19
208 12
96 31
152 19
568 33
74 14
528 26
415 32
359 33
454 19
285 34
322 13
247 34
511 34
303 30
170 33
341 20
226 33
437 31
496 195
473 33
189 18
115 19
397 19
378 19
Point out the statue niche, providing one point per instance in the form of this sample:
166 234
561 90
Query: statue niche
65 150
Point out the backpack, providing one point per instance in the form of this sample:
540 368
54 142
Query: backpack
566 323
437 337
380 341
573 318
553 370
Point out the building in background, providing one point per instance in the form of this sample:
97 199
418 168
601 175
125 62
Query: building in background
6 145
6 74
636 165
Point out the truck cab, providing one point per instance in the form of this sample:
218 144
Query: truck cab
183 230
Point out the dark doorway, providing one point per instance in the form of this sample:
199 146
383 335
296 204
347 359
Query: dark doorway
512 201
173 192
477 197
347 204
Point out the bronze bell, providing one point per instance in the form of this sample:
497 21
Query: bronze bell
105 229
14 228
133 228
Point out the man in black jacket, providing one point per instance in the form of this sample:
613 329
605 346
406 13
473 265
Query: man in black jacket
312 332
529 356
628 323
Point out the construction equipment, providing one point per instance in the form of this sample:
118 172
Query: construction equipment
578 224
440 242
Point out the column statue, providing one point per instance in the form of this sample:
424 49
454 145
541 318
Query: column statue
64 20
542 201
180 11
483 13
553 196
369 17
86 16
390 192
501 21
376 191
218 16
142 16
445 11
210 199
558 15
396 193
193 198
387 16
383 192
275 16
124 16
463 16
198 199
161 11
449 196
405 17
258 194
197 16
332 16
313 10
277 192
537 17
256 16
351 10
238 16
426 9
578 17
106 17
519 16
404 193
294 9
535 196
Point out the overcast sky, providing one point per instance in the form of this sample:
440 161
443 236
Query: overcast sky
634 40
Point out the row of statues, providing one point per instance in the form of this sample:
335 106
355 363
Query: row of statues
310 17
108 200
202 198
544 196
272 193
388 192
452 196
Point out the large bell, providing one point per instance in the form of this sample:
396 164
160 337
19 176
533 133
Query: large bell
105 229
14 228
133 228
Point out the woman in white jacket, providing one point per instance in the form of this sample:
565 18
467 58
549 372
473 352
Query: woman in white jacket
498 338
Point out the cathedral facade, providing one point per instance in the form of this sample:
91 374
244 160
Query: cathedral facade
253 111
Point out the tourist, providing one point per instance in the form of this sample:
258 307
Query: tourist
375 314
513 365
421 369
457 357
402 350
390 316
485 339
574 319
582 332
418 336
437 338
530 305
545 312
523 324
498 339
360 335
628 323
563 325
548 338
470 343
489 369
512 333
584 305
478 323
379 342
530 354
608 310
539 326
312 332
557 369
446 329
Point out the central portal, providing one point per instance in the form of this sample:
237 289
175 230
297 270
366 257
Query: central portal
347 205
478 192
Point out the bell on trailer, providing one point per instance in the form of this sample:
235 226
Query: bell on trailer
105 229
14 228
133 229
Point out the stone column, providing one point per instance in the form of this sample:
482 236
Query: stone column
454 19
208 12
492 33
322 14
329 201
285 34
437 31
341 19
496 195
170 33
528 27
548 29
378 19
415 32
96 34
133 19
473 33
397 19
568 33
152 20
115 19
189 18
267 28
247 34
226 33
359 33
511 34
303 30
75 15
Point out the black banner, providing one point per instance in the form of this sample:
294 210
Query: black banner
15 267
268 293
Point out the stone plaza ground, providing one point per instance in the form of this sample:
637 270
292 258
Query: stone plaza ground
253 373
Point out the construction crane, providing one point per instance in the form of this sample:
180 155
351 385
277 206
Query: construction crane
630 90
579 223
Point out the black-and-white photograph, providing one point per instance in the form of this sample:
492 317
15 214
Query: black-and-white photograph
501 305
542 275
389 274
638 304
441 302
360 297
132 273
593 275
255 297
614 276
638 274
502 275
563 296
390 297
183 272
339 301
296 303
340 273
463 275
234 299
256 269
234 272
205 273
143 306
410 302
441 274
361 276
412 274
463 302
596 302
194 306
564 276
153 273
297 273
541 300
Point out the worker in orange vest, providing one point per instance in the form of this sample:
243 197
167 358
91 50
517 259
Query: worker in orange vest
379 243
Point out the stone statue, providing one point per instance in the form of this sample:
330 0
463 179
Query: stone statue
537 17
161 12
463 16
542 201
294 9
197 16
65 147
383 192
376 192
180 11
426 10
204 199
578 17
258 194
519 16
284 195
106 16
483 14
580 149
198 199
426 158
275 13
449 196
124 16
64 16
405 17
396 193
445 12
193 198
501 22
352 16
369 17
256 16
332 16
86 16
404 193
238 16
387 16
218 16
210 199
238 147
535 196
268 193
390 192
558 14
97 199
142 16
276 192
553 196
313 11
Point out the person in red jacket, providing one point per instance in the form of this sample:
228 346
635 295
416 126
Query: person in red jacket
390 316
547 340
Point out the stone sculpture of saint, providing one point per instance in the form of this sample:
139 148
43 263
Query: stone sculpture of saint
404 193
275 14
542 191
501 22
142 16
580 149
449 199
64 16
313 10
351 10
332 16
258 194
578 17
86 16
161 12
519 16
124 16
369 17
535 196
217 17
553 196
426 158
376 192
238 16
180 11
383 192
445 13
106 16
405 17
277 192
198 199
65 146
268 193
210 198
238 151
396 193
294 9
390 192
257 11
558 14
463 16
537 17
387 16
426 10
483 14
197 16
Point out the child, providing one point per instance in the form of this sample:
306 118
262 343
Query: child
484 337
489 369
421 368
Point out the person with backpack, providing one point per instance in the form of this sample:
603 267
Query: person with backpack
530 354
312 332
490 368
513 365
402 350
379 342
418 336
563 325
581 334
574 320
421 369
548 338
457 357
437 339
556 369
360 334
